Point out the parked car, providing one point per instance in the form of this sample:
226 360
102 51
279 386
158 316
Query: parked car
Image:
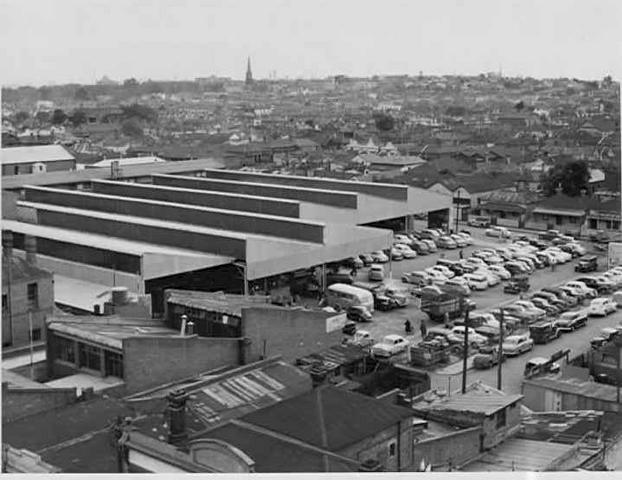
362 338
543 332
543 304
570 321
569 300
458 240
401 239
552 299
500 272
349 328
376 273
523 313
474 338
420 247
455 286
441 269
515 268
487 357
405 250
354 262
517 344
491 278
436 276
476 281
444 333
430 234
476 262
417 278
467 267
499 232
395 254
538 312
431 245
389 346
583 288
447 242
367 258
379 257
479 221
466 237
452 265
602 307
601 284
359 313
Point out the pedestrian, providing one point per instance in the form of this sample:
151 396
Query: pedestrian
408 327
461 254
424 329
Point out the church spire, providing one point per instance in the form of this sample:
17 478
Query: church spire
249 73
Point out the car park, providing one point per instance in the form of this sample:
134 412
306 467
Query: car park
389 346
570 321
517 344
602 307
418 278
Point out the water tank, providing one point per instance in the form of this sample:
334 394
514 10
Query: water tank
119 295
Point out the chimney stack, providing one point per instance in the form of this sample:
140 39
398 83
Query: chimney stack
7 244
177 416
30 244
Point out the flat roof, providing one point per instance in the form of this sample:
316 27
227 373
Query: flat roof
34 154
13 182
215 301
79 294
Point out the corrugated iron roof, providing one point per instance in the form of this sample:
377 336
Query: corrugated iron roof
39 153
220 302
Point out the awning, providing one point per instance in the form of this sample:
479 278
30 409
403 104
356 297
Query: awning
566 213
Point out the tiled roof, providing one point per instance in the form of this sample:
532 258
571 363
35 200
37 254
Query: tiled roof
345 417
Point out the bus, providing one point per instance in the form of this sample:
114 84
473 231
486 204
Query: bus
343 296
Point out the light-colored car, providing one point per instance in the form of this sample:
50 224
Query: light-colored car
583 288
459 240
570 321
467 237
614 276
389 346
436 276
418 278
477 262
577 248
499 232
456 286
395 254
401 239
491 278
475 339
362 338
564 256
406 251
476 281
442 269
376 273
522 313
500 272
539 312
447 242
379 256
602 307
516 345
493 260
431 245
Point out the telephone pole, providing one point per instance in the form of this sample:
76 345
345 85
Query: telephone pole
466 351
500 352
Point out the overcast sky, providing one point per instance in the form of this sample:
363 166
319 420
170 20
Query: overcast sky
60 41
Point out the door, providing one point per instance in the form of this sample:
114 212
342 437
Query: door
552 401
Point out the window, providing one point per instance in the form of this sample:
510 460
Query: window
501 419
558 219
114 364
35 334
392 449
65 350
593 223
616 225
5 302
89 357
33 295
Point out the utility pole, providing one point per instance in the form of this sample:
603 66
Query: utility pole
466 351
457 210
500 352
618 374
32 367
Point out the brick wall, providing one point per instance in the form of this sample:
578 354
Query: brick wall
292 333
18 324
377 447
151 361
24 402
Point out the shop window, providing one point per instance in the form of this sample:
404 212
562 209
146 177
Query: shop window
33 295
616 225
392 449
559 220
593 223
35 334
607 225
501 420
89 357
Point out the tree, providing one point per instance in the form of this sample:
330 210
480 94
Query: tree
78 118
571 177
58 117
384 122
140 112
519 106
132 128
81 94
130 82
42 117
21 117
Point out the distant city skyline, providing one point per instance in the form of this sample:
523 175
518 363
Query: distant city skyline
80 41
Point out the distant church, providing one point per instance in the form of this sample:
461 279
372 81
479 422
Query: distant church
249 73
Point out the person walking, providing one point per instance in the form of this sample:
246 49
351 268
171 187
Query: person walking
408 327
461 253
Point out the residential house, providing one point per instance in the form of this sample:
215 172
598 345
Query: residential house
508 209
36 159
604 215
561 212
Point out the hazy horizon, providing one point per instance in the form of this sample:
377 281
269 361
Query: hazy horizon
73 41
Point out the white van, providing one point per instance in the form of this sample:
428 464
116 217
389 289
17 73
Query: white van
342 296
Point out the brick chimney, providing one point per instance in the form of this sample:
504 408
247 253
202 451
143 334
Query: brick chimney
176 411
30 244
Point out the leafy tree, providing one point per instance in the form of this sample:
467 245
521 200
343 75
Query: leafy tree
384 122
571 177
130 82
42 117
81 94
58 117
519 106
78 118
132 128
140 112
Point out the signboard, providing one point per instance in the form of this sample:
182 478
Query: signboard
336 322
614 254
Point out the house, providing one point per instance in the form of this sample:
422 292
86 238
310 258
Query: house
604 215
27 296
508 209
497 413
36 159
561 212
324 430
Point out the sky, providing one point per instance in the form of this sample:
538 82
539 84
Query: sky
79 41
